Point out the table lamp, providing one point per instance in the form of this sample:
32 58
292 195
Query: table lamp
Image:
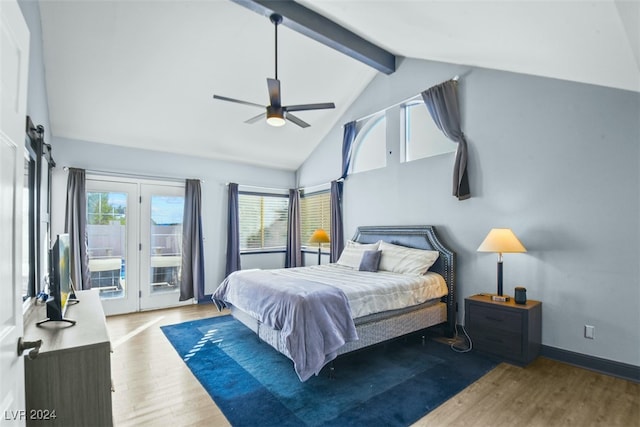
501 240
319 236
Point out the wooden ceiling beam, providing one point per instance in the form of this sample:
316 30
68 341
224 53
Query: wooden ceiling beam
313 25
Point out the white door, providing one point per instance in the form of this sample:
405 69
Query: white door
161 210
14 51
134 233
112 228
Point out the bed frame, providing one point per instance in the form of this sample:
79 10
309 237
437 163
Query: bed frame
375 329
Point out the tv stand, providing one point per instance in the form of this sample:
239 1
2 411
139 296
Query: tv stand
64 319
72 373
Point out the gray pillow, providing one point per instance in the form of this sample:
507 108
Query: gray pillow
370 261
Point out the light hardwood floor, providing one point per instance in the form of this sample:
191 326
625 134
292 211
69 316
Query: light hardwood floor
154 387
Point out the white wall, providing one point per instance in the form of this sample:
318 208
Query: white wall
215 174
37 103
556 161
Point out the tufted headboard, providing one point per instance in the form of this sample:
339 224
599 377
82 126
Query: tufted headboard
420 237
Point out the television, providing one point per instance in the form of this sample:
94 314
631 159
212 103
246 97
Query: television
61 292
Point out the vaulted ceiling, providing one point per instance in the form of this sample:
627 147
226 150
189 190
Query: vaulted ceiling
143 73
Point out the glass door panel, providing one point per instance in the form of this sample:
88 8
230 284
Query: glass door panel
111 229
161 254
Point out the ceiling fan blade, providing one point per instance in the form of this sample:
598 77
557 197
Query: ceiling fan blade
224 98
255 119
274 92
296 120
304 107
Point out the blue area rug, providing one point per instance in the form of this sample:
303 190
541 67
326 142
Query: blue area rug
387 385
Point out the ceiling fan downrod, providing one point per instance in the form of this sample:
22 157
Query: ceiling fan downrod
277 20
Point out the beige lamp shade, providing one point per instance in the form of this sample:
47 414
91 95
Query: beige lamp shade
501 240
319 236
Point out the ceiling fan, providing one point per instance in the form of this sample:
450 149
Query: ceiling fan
276 113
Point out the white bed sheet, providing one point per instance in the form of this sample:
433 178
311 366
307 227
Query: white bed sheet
373 292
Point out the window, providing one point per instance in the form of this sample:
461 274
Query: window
35 210
422 138
315 213
28 229
263 221
370 146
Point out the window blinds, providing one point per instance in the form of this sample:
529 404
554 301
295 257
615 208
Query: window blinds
263 221
314 214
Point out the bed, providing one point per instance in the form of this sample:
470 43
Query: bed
316 321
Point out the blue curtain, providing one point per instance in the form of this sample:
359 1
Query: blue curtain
75 223
294 244
192 278
233 231
347 141
337 231
442 103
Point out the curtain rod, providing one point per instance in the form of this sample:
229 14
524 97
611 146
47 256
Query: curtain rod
454 78
316 188
257 187
133 175
308 188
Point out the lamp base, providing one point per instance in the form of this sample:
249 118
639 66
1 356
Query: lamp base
500 298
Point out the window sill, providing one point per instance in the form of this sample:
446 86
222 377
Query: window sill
315 251
262 251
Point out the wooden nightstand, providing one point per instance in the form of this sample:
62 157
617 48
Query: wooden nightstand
506 329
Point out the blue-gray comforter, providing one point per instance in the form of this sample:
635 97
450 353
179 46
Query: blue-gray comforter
314 318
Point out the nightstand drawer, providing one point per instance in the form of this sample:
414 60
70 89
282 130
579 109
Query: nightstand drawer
506 344
483 316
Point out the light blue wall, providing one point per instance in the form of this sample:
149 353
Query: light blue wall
555 161
214 173
37 102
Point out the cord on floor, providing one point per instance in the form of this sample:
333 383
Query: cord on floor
468 339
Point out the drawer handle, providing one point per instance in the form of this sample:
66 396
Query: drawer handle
493 319
494 339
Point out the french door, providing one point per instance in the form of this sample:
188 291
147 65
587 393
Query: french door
135 242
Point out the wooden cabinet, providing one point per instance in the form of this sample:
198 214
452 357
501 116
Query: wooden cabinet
72 373
506 329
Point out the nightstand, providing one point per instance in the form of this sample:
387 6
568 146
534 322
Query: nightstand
506 329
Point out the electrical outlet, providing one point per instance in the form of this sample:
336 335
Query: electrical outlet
589 331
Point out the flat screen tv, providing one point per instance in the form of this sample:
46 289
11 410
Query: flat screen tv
60 285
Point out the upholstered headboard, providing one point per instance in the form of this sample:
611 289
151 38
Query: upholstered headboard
420 237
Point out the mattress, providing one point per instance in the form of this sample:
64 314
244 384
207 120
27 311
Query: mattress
373 292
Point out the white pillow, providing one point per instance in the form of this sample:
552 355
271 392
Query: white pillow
403 260
353 251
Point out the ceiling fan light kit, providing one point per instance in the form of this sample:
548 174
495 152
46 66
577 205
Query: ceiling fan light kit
276 113
275 116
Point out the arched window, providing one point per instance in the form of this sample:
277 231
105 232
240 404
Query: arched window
370 146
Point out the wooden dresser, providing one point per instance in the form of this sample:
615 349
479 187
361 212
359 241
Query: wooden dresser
72 373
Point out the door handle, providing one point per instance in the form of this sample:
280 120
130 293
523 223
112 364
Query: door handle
26 345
